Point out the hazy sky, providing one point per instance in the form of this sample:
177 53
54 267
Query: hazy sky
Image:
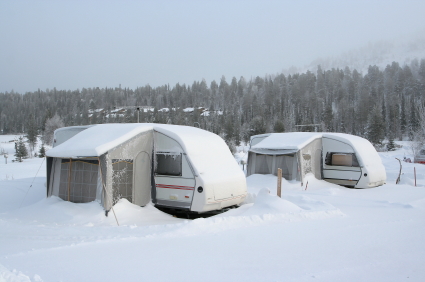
76 44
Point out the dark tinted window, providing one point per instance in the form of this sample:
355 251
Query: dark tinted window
168 164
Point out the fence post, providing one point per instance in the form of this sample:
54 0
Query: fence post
414 168
279 182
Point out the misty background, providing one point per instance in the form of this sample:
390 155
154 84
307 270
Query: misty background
235 68
75 44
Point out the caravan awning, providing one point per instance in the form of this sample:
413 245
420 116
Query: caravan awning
273 151
97 140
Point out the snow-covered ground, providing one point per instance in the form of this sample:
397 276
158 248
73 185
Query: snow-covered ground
318 232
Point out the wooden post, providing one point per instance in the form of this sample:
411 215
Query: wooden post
399 174
279 182
414 168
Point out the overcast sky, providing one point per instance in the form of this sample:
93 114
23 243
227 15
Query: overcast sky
76 44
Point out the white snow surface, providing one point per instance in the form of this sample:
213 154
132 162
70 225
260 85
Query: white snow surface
292 140
316 232
97 140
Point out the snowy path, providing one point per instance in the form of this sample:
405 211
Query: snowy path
324 233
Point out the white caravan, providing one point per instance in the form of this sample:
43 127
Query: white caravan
342 159
176 167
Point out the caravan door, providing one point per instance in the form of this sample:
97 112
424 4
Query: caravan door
142 165
174 178
340 164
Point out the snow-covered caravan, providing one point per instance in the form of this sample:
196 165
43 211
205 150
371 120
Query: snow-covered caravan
339 158
177 167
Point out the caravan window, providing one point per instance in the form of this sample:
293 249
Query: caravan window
341 159
168 164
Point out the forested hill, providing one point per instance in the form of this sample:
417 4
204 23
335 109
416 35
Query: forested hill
377 104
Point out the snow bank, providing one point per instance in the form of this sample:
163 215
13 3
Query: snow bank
57 212
318 231
15 276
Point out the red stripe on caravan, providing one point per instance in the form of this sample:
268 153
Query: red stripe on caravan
174 187
177 186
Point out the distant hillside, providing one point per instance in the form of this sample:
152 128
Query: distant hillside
403 50
376 97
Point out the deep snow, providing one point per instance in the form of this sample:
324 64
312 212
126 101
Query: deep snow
318 232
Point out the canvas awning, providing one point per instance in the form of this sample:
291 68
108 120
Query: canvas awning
273 151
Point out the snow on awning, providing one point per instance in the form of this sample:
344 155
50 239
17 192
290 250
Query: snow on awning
273 152
97 140
287 141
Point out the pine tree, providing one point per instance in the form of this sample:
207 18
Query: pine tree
413 120
237 133
422 70
391 144
31 133
375 126
93 118
42 151
327 116
20 149
279 126
92 105
384 113
257 126
403 121
229 128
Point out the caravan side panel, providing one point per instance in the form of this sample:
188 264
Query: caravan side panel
174 177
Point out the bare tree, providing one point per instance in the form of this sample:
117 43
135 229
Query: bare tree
52 124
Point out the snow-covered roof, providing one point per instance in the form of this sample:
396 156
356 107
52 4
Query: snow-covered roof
207 151
147 109
97 140
291 140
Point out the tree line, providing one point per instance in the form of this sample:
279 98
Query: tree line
378 104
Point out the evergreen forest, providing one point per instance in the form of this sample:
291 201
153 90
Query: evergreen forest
378 104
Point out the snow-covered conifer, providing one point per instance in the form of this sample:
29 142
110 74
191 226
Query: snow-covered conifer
375 126
20 149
